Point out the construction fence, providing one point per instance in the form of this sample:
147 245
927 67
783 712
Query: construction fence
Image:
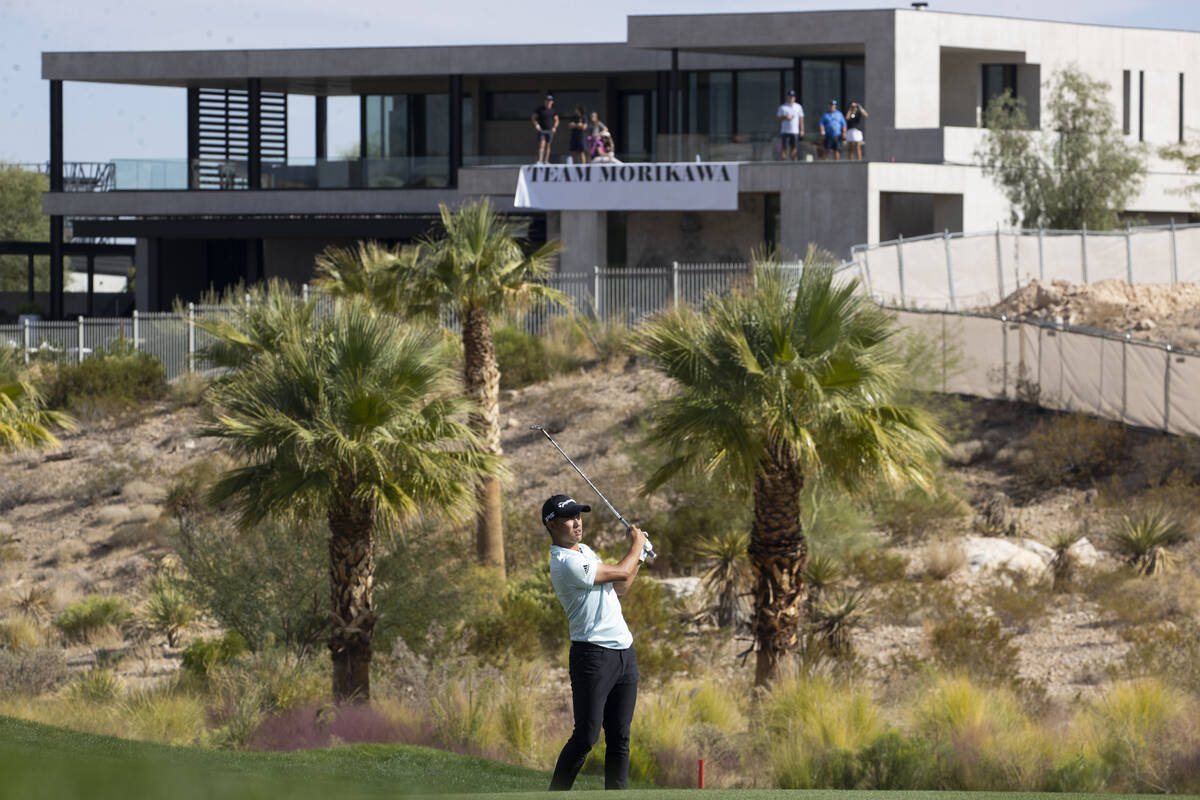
966 271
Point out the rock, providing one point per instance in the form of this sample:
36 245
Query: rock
1046 296
1042 551
140 491
512 422
1084 553
996 516
6 530
112 515
679 587
966 453
989 554
1144 325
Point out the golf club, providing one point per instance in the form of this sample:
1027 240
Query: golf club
648 549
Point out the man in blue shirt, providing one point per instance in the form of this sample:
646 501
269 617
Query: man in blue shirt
833 128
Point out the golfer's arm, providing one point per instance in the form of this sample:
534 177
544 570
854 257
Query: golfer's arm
624 570
621 587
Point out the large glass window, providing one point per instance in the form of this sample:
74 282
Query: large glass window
998 78
759 93
820 82
856 82
710 110
408 139
513 105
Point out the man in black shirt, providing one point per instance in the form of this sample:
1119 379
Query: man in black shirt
545 119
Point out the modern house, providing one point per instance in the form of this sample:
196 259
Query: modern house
440 125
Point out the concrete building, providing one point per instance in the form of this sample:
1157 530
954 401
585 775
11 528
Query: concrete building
439 125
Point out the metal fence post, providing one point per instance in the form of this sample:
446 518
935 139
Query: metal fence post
1128 254
1041 256
950 273
900 265
27 340
1004 350
79 353
1083 251
304 292
867 270
999 268
191 354
596 291
1174 263
1125 374
135 331
675 284
1167 392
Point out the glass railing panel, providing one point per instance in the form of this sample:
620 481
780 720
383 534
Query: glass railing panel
149 173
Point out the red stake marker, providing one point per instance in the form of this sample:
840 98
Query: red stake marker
701 777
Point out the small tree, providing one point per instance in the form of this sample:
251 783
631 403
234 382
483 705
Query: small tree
1079 171
1187 154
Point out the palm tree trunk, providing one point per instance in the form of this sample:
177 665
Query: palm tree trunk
482 378
778 554
352 588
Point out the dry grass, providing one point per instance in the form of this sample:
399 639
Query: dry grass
943 558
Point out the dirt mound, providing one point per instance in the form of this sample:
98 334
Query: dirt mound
1163 312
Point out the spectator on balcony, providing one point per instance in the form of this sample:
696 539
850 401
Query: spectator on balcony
833 131
791 126
606 151
855 115
596 131
545 120
578 124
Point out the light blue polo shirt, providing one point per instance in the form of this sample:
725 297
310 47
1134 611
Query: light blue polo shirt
593 611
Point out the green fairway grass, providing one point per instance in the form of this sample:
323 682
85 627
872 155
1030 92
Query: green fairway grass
39 761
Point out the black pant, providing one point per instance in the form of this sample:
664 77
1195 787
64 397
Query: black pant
603 692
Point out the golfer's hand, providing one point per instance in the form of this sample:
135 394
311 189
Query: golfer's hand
637 537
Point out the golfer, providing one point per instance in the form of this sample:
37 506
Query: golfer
603 665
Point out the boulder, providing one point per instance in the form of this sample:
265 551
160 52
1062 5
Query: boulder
990 554
1043 552
6 530
1085 553
679 587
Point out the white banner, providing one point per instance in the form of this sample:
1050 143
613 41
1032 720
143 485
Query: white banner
685 186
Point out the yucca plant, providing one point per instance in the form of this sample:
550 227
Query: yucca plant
168 610
728 579
1062 564
835 615
25 421
1143 537
821 573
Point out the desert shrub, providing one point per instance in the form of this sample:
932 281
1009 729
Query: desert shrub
202 656
19 633
106 479
968 644
607 338
981 737
893 761
1132 599
268 582
877 566
8 548
186 498
528 621
813 727
244 691
726 581
521 357
97 685
82 620
31 671
34 602
188 390
16 493
834 523
1167 651
1063 566
655 615
167 610
1141 539
944 558
1072 449
463 712
834 616
108 382
911 603
1017 601
912 513
1134 731
164 714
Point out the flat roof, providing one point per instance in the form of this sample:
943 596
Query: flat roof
335 71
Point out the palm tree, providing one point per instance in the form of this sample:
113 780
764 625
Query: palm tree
474 270
24 419
780 382
351 418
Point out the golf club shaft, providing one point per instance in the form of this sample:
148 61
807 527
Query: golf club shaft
600 494
647 548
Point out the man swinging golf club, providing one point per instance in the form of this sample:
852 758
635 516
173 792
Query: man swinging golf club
603 665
